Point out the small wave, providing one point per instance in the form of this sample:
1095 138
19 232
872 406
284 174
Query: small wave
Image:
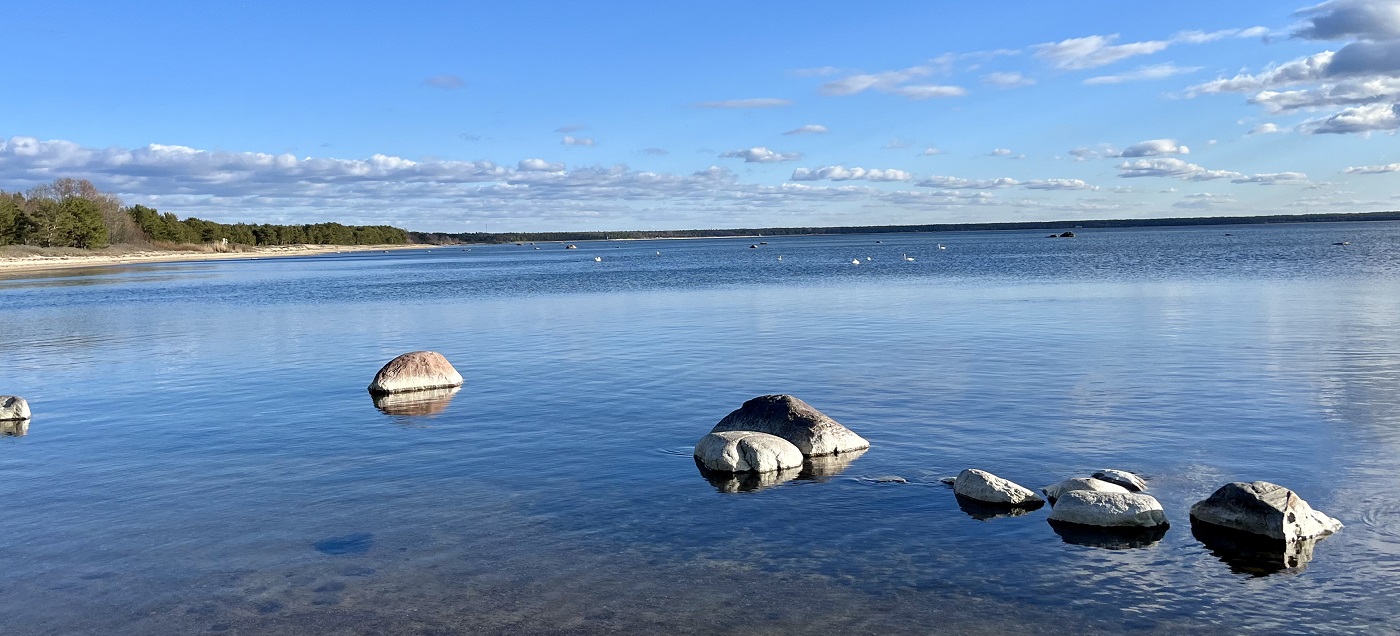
688 451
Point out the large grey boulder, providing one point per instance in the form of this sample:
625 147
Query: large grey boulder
1122 478
1109 509
1264 508
415 371
1053 491
13 407
746 451
984 486
795 421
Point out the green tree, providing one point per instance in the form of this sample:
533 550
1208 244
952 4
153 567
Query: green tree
86 225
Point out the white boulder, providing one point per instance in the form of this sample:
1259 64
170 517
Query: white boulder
415 371
1053 491
1122 478
795 421
1264 508
746 451
13 407
984 486
1108 509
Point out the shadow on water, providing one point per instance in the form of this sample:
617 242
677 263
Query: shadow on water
430 402
985 511
1108 538
1253 554
813 469
14 428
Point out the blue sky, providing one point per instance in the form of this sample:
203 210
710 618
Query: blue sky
540 116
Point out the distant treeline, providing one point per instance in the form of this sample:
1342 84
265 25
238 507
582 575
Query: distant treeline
533 237
74 213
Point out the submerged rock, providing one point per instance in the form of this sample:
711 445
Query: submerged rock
823 467
425 402
14 428
1253 554
984 486
13 407
728 482
1109 538
795 421
1266 509
747 451
984 511
415 371
1053 491
1122 478
1109 509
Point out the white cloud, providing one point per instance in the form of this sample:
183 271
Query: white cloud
538 165
1267 128
449 82
1154 148
842 173
809 129
1389 167
1085 153
1204 201
1360 119
1007 80
958 183
1005 152
896 82
1058 184
930 151
1343 19
1155 71
758 102
576 141
1172 167
1274 178
1093 51
760 154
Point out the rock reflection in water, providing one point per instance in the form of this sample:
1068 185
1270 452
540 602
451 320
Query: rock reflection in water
430 402
1253 554
986 511
14 428
813 469
1108 538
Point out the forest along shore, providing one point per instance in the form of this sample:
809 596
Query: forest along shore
15 261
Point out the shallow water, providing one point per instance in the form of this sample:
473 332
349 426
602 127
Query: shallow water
204 457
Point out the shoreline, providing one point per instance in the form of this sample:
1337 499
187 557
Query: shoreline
40 262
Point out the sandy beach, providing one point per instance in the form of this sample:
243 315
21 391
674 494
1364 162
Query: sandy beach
12 263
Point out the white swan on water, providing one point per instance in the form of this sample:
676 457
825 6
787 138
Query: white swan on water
907 257
597 259
855 261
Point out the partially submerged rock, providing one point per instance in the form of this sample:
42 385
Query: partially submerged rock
1266 509
1253 554
14 428
728 482
747 451
984 511
795 421
415 371
822 467
13 407
1109 509
984 486
1122 478
1053 491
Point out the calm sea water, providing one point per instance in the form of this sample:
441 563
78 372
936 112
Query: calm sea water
204 457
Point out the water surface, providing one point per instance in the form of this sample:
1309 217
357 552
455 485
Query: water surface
204 457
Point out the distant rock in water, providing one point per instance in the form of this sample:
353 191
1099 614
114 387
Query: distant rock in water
1265 509
1067 234
14 428
13 407
415 371
984 486
1108 509
1122 478
1053 491
425 402
808 429
747 451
